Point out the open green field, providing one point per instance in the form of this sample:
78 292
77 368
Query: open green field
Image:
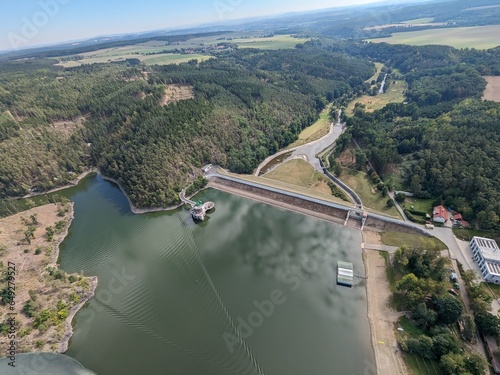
299 172
413 240
479 37
421 366
395 94
316 130
162 53
173 59
418 21
371 197
292 187
272 43
424 205
161 59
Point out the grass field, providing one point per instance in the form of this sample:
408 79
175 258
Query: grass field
161 59
424 205
272 43
421 366
371 197
418 21
395 94
301 173
264 180
202 45
412 240
316 130
479 37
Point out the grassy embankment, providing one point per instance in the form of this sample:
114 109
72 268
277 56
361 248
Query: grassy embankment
372 198
294 184
317 130
411 240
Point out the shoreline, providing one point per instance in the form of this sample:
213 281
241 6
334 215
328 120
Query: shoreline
381 317
70 184
384 363
133 208
68 332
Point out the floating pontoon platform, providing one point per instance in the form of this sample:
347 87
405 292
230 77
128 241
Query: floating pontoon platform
345 273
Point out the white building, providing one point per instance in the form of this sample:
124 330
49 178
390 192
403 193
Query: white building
486 253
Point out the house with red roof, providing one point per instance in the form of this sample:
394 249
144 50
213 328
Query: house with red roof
439 214
459 220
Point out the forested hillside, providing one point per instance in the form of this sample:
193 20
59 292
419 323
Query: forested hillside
247 104
444 142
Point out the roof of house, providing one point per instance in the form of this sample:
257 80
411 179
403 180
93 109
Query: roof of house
440 211
464 223
458 216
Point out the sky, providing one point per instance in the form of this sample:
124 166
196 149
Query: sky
26 23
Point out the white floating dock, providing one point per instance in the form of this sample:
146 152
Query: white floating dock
345 273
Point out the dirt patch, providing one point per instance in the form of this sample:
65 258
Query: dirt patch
372 237
69 126
382 317
492 91
175 93
31 249
346 158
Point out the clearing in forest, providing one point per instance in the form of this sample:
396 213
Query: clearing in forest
492 91
68 126
175 93
395 94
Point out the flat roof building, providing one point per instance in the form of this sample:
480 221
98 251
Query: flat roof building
486 254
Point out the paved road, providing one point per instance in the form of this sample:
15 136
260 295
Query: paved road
309 150
398 207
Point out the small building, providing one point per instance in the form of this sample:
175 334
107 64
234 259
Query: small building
458 220
439 214
486 254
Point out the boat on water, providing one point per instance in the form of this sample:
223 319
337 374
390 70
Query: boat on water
345 273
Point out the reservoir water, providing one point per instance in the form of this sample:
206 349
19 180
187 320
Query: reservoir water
249 291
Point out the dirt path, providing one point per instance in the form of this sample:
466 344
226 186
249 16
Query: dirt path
382 317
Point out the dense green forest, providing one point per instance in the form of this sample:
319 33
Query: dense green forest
247 104
444 141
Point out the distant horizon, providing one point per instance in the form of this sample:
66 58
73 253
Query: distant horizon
37 24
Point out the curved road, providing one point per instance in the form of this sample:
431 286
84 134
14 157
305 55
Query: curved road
310 150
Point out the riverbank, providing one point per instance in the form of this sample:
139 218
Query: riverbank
382 318
46 299
71 183
135 209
